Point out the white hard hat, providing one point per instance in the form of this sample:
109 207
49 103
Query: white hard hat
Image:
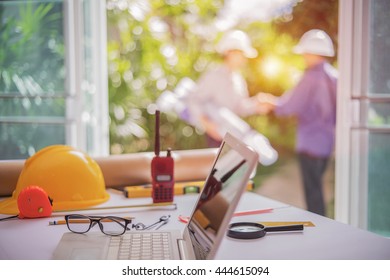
315 41
236 40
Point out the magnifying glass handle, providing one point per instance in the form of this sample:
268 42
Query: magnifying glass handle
284 228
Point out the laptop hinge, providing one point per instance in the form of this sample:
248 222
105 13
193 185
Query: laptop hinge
182 249
185 249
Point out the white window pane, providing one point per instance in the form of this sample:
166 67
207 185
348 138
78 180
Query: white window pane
378 120
378 182
379 114
15 107
53 73
22 140
379 47
32 48
32 77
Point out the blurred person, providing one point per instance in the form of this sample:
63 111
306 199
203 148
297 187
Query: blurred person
313 102
224 86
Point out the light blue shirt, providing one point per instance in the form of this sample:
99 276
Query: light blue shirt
313 102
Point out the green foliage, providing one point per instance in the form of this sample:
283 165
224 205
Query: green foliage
147 57
150 54
151 46
31 47
31 69
308 15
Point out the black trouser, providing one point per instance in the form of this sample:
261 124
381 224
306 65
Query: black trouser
312 171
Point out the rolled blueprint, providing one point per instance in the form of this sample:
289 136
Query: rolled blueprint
177 102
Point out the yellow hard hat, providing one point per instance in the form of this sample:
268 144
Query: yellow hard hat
71 178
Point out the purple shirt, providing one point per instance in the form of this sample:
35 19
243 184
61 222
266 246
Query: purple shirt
313 102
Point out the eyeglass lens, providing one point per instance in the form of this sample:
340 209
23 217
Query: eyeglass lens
112 226
78 223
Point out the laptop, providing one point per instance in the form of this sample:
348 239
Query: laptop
205 229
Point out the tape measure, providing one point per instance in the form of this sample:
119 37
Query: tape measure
33 202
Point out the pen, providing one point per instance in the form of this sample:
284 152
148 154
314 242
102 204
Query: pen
60 222
185 220
257 211
160 204
252 212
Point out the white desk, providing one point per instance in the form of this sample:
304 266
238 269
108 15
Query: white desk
35 239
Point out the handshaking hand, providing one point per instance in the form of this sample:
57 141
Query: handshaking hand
266 102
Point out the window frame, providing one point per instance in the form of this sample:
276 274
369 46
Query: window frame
353 129
77 15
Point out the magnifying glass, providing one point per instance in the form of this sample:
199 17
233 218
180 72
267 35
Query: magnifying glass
248 230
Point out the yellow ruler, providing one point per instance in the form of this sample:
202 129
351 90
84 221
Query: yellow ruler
282 223
180 188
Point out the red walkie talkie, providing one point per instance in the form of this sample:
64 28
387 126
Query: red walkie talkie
162 170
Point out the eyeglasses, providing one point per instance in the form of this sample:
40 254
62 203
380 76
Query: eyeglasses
109 225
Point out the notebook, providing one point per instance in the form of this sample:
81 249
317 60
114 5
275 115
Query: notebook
204 231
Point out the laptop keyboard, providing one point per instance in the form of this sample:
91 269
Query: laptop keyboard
141 246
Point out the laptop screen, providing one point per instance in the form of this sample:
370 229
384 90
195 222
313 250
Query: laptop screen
221 193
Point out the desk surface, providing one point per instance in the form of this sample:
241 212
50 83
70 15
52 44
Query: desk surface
328 239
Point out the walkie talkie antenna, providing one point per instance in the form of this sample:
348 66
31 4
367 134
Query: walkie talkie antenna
157 134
